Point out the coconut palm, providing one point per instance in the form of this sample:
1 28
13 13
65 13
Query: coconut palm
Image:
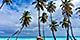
43 19
66 7
65 24
51 8
8 2
67 11
53 27
40 6
25 21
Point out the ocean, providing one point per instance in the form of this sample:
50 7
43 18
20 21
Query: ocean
58 38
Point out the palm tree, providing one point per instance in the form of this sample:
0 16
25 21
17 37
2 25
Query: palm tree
53 27
66 7
44 18
65 24
67 11
51 8
40 6
7 2
25 20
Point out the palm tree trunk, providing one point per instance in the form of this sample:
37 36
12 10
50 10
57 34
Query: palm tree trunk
53 34
51 16
43 32
72 33
13 35
19 32
39 23
71 30
51 28
67 33
70 37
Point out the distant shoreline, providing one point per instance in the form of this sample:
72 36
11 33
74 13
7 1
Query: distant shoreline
36 36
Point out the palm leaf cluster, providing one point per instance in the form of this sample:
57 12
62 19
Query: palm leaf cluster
25 19
51 7
53 25
44 17
67 7
65 22
40 4
8 2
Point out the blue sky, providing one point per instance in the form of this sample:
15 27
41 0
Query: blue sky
10 15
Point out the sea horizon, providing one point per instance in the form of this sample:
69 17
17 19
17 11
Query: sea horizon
36 36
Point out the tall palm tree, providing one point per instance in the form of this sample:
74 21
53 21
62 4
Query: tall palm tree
44 18
7 2
40 6
51 8
53 27
25 21
66 7
67 11
65 24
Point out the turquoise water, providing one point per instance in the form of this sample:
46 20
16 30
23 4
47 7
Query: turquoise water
35 39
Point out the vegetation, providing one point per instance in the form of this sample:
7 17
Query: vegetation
44 18
51 8
25 21
67 13
8 2
40 5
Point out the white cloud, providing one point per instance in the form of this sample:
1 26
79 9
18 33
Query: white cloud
1 32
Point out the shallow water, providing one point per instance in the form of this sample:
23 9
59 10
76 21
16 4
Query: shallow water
35 39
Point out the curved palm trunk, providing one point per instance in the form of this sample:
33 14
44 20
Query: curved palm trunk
70 37
67 33
18 31
39 23
51 28
51 16
71 30
13 34
72 33
43 32
53 34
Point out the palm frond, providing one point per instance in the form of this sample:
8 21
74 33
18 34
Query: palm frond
69 0
77 8
51 7
45 0
44 17
26 18
33 2
66 0
71 4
